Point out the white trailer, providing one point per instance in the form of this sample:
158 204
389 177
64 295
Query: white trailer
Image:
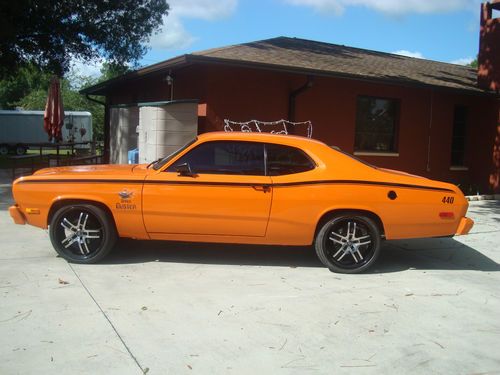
20 129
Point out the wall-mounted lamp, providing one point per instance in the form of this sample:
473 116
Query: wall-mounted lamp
170 81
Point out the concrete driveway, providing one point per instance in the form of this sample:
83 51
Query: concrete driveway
429 306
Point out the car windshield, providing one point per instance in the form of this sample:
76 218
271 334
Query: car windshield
160 163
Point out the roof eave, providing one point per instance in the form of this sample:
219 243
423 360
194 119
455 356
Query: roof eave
183 60
102 87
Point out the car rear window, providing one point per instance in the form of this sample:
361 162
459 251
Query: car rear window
283 160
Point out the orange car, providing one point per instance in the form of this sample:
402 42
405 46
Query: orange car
240 188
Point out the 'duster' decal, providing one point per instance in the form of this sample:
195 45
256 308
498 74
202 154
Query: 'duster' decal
126 201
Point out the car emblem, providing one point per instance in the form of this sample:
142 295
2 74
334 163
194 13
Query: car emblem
124 194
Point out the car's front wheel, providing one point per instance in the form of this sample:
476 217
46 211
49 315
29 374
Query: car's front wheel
348 243
82 233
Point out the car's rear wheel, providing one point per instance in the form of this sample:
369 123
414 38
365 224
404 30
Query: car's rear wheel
82 233
348 243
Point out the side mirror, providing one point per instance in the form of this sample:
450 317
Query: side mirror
184 169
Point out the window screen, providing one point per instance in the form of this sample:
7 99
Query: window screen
458 137
376 124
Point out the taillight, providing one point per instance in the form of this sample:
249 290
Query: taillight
446 215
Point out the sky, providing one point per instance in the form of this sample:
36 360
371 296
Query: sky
442 30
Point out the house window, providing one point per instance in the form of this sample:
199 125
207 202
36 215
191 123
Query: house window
376 124
458 136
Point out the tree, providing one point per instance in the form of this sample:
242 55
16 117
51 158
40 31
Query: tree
50 33
15 87
473 63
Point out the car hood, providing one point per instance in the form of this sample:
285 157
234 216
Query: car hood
92 171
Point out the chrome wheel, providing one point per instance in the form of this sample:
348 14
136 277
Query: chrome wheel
82 233
79 233
348 244
349 241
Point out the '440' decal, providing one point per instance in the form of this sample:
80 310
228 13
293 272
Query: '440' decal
448 200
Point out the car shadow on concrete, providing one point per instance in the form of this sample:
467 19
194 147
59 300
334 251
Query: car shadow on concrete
431 254
130 251
396 256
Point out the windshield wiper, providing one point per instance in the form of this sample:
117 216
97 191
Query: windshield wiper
153 162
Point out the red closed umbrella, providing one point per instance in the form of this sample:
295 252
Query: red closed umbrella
53 118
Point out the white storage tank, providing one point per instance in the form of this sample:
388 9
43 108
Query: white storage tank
166 126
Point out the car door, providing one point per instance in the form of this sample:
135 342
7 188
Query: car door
226 193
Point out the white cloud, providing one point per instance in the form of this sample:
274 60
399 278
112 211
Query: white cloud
174 35
83 68
389 7
462 61
406 53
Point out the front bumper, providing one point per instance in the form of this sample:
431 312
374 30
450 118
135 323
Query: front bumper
464 226
17 215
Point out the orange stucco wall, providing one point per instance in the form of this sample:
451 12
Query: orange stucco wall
242 94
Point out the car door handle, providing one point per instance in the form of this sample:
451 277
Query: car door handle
264 188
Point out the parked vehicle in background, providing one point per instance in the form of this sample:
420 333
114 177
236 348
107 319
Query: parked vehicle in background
19 129
250 188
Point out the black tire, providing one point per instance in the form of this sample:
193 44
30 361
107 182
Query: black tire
4 150
20 150
82 233
348 243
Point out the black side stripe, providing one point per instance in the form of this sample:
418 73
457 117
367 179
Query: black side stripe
206 183
363 182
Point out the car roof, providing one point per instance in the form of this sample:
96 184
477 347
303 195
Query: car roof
292 140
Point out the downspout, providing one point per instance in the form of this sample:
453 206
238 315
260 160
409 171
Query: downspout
293 96
430 130
106 126
87 96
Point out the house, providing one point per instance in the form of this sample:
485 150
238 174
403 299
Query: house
424 117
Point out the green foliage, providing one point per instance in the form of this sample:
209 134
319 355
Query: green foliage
27 79
51 33
473 64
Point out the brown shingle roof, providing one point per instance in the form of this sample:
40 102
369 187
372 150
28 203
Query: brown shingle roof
352 62
307 56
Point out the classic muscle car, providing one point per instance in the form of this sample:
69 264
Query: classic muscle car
248 188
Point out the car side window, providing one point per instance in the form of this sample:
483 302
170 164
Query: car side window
283 160
225 157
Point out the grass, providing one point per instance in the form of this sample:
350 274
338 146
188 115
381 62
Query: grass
34 151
